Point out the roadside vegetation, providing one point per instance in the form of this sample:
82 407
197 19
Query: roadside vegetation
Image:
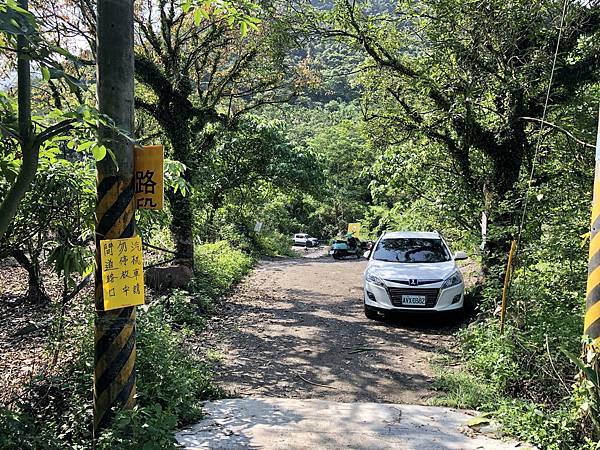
53 410
303 116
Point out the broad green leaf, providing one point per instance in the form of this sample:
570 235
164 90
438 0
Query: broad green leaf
99 152
85 146
197 16
45 73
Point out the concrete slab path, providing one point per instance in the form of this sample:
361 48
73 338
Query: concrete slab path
283 423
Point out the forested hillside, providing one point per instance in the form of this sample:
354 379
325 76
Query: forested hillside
477 119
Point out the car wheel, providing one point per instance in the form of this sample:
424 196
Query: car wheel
371 313
308 244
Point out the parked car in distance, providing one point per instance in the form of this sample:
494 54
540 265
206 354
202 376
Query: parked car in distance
305 240
412 271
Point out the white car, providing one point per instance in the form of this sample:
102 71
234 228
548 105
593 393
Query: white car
305 240
412 271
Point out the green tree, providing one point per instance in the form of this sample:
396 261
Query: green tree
30 123
246 168
19 34
197 62
197 74
346 158
464 75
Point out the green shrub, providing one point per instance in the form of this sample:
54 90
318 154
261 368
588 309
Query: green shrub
237 235
18 430
53 222
218 267
168 374
147 428
490 355
56 410
546 427
524 379
494 379
274 244
180 309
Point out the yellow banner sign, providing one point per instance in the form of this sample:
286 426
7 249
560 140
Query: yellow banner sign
122 272
149 177
354 228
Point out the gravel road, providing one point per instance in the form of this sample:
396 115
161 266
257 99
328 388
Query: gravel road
295 328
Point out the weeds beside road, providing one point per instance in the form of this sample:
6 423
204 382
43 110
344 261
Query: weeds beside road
51 406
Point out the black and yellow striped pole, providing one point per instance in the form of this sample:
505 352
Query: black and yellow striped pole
591 326
114 357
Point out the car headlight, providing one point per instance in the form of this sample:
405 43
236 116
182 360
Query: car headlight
452 280
371 278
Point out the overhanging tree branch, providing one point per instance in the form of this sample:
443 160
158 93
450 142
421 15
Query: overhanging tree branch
54 130
561 129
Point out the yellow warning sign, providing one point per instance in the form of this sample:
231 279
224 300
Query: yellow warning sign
354 228
122 272
149 177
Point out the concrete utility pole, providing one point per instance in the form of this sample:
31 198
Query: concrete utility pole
592 314
114 358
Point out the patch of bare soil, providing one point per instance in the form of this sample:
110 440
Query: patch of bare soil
25 329
296 328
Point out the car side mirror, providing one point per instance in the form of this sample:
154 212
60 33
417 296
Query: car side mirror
459 256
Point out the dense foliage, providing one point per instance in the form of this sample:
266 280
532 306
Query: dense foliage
55 411
306 116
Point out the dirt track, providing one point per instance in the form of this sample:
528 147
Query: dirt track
295 322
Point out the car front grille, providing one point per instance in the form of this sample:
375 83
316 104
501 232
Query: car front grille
420 281
431 296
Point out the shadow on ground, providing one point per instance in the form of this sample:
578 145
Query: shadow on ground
317 424
296 328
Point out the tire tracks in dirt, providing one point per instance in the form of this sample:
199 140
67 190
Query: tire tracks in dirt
295 328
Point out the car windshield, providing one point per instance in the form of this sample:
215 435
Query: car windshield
411 250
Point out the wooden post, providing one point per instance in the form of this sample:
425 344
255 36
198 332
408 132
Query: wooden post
114 356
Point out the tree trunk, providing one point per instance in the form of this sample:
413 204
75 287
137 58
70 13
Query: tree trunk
181 227
182 212
215 204
30 149
35 291
507 159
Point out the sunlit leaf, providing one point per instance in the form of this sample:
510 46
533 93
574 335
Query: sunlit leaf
99 152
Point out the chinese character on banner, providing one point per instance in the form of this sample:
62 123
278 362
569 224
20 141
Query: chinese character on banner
149 177
122 279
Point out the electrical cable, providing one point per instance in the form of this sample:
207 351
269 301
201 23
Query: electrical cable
534 161
542 123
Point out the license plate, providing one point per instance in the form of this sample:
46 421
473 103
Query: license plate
413 300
